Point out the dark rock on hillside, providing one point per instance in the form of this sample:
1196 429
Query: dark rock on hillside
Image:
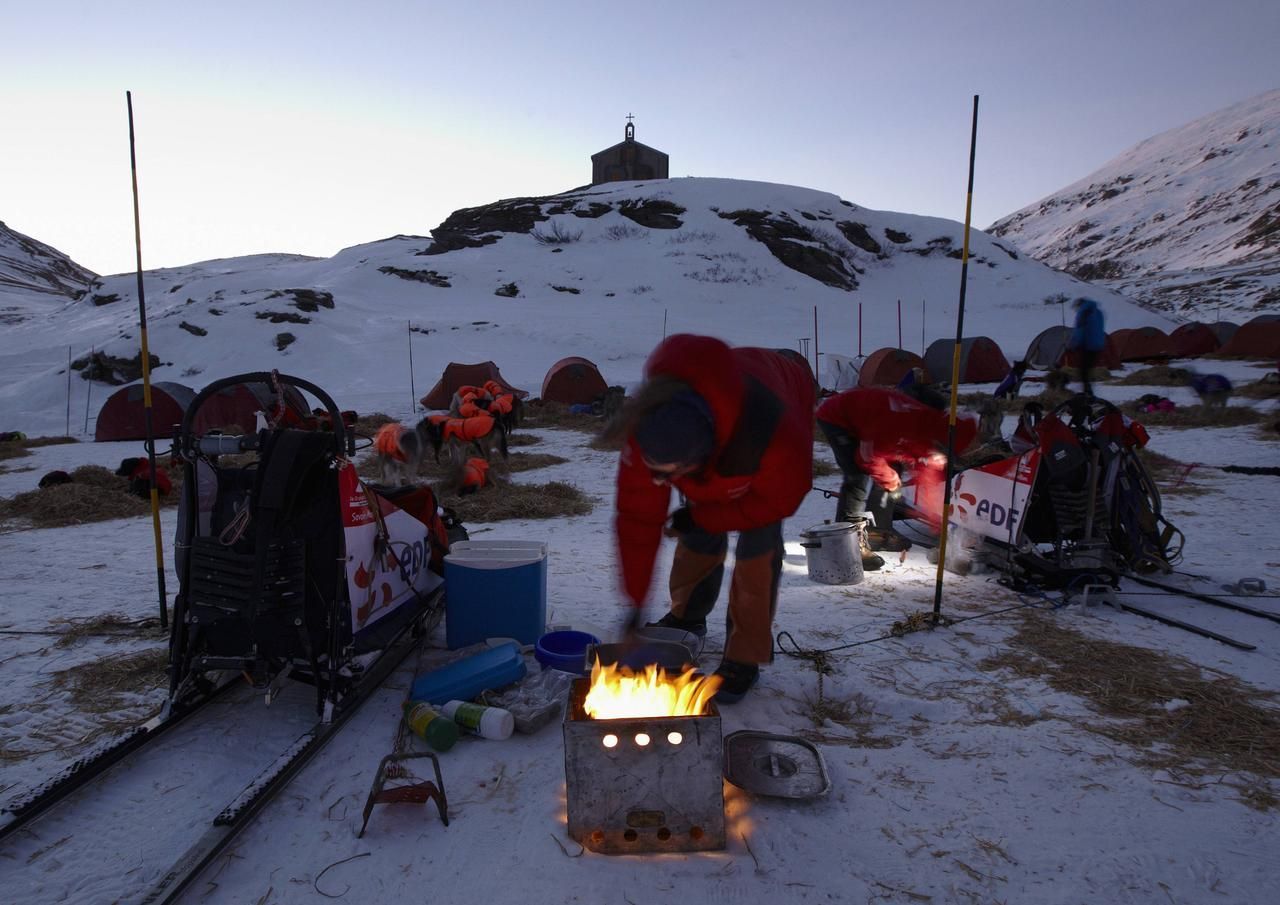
193 329
100 300
282 317
508 290
653 213
474 227
430 277
858 236
309 300
784 237
898 238
106 368
283 340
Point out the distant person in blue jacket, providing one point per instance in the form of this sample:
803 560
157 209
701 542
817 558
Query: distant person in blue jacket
1089 338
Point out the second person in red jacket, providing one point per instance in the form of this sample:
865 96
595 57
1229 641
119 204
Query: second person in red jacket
732 431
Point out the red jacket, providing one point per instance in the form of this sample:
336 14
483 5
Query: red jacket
762 464
890 426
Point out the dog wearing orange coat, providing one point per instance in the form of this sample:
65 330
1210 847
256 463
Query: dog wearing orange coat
460 438
399 450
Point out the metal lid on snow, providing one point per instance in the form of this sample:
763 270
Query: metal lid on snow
782 766
828 529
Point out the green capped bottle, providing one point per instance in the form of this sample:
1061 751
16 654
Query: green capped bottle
439 732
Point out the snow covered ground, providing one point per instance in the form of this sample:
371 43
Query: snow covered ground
951 782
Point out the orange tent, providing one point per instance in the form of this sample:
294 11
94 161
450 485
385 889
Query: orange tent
573 381
1259 338
459 375
887 367
1141 344
1192 340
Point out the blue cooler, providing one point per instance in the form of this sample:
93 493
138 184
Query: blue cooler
495 589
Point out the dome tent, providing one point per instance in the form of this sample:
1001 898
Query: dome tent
1192 340
981 360
1141 344
123 415
459 375
1259 338
238 404
573 381
1049 350
887 367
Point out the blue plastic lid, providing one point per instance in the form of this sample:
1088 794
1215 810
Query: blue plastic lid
462 680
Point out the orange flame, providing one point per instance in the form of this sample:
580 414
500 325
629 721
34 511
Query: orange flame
619 693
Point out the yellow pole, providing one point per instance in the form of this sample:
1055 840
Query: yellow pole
146 377
955 376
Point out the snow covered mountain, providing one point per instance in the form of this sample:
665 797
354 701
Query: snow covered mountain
598 271
33 276
1187 222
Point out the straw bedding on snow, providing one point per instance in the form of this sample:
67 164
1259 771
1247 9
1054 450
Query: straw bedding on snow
522 501
73 504
1156 376
555 415
16 449
104 685
1179 717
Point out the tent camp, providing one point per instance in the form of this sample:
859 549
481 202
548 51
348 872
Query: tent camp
1141 344
1259 338
1192 340
981 360
1049 350
573 381
1223 330
887 367
237 405
123 417
458 375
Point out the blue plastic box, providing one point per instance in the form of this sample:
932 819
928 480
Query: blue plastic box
495 589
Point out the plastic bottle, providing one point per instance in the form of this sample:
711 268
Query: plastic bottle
486 722
438 731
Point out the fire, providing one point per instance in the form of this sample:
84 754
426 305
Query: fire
620 693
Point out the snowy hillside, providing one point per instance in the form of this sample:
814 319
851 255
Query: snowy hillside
524 282
1188 222
35 277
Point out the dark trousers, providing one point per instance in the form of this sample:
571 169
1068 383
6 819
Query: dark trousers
856 485
698 570
1088 358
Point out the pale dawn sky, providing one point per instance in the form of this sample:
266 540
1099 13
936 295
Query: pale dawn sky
308 127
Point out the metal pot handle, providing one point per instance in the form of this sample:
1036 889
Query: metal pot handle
811 546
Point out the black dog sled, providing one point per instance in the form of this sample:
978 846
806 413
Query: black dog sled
288 564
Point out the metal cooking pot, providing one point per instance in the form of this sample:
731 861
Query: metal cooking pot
833 552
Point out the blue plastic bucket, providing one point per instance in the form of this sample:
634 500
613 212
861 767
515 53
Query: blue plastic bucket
564 650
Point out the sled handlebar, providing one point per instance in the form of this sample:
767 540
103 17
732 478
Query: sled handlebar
225 444
344 440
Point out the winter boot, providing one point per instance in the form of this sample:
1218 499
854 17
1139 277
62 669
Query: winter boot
736 680
871 561
887 539
671 620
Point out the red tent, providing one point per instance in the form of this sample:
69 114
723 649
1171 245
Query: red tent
123 417
235 407
1141 344
458 375
1108 358
573 381
887 367
1193 340
981 360
1259 338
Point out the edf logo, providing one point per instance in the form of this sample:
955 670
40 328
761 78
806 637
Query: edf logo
996 514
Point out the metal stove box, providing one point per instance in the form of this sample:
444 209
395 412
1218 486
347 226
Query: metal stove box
643 785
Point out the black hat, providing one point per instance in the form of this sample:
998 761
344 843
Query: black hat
680 431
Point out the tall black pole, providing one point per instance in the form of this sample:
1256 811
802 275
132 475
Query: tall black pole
413 390
146 376
955 376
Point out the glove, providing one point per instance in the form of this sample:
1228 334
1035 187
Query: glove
895 494
681 522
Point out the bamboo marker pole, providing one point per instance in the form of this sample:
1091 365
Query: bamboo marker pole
859 329
899 323
67 433
146 375
88 392
413 392
955 377
815 343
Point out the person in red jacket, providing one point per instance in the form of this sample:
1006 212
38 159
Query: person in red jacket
872 429
732 431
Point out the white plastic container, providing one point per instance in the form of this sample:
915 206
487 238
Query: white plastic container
486 722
